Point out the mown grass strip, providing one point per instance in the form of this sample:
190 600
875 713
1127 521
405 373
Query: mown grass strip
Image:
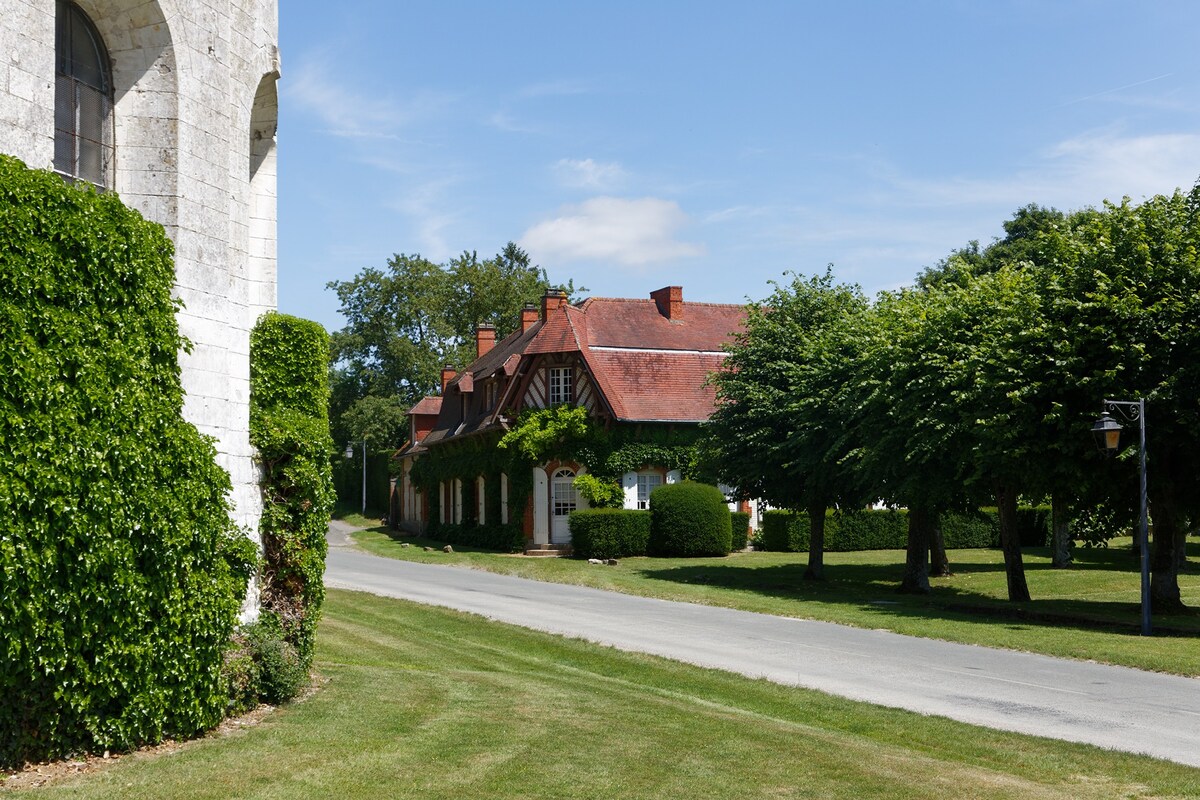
429 703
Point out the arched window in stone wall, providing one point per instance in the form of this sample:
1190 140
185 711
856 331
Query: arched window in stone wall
264 119
83 99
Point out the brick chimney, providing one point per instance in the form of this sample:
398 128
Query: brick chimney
485 339
669 300
449 373
529 316
553 300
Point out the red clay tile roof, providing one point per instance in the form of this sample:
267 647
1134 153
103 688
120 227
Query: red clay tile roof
651 385
638 323
648 368
564 332
427 405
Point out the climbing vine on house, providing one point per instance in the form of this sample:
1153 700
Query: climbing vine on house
465 461
121 574
289 425
559 433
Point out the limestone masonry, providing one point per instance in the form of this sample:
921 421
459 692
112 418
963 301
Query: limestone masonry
192 127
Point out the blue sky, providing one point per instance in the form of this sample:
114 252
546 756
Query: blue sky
632 145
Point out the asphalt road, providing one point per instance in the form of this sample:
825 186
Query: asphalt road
1114 707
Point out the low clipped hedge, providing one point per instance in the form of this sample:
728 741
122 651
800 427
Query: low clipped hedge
501 538
688 519
609 532
870 529
739 529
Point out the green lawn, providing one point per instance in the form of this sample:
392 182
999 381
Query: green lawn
1088 612
427 703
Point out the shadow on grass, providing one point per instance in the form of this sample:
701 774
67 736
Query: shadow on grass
872 588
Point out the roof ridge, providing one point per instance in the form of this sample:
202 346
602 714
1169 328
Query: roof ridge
651 300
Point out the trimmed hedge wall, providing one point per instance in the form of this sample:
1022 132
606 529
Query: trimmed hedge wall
871 529
609 532
504 538
121 574
289 425
688 519
739 527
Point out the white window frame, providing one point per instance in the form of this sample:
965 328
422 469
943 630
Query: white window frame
480 485
644 488
559 385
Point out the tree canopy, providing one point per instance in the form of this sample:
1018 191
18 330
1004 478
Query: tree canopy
407 321
978 385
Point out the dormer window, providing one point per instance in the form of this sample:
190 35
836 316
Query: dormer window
490 393
560 385
83 100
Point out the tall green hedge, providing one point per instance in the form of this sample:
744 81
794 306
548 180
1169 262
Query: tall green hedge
888 529
688 519
289 425
739 527
121 574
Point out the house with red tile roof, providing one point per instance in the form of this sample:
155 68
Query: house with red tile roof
638 366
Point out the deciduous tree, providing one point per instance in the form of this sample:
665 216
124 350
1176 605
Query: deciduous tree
779 429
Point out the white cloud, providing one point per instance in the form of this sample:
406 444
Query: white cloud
627 231
1109 167
1077 172
426 206
589 174
504 121
311 85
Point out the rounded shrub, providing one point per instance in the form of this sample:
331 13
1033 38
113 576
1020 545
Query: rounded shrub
688 519
262 665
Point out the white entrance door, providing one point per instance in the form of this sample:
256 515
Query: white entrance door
563 500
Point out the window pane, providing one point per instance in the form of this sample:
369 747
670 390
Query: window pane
83 122
560 385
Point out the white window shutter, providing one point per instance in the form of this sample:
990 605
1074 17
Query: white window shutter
629 486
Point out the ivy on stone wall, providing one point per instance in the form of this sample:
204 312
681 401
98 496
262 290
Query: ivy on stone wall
289 426
121 574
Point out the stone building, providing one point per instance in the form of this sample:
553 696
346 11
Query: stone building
171 104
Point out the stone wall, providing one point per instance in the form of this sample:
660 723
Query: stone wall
195 118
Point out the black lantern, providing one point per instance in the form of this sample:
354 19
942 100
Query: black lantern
1108 433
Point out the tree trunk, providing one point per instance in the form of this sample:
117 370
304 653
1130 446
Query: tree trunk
916 565
939 562
1170 535
816 543
1010 542
1060 532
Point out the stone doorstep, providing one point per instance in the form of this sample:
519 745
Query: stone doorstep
549 551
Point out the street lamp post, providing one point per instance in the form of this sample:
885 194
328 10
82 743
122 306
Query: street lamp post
350 454
1107 431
